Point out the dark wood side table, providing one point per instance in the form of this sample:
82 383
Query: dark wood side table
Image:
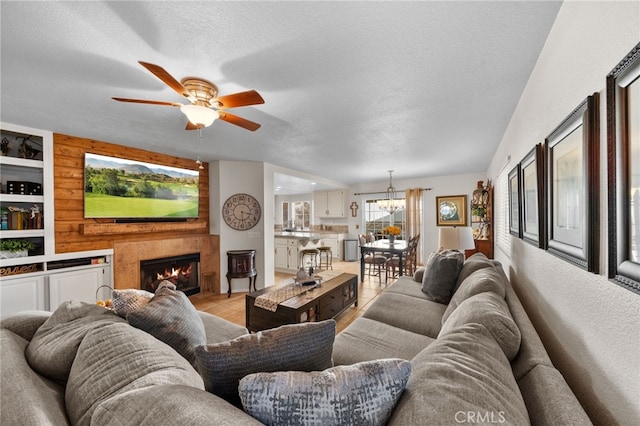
241 264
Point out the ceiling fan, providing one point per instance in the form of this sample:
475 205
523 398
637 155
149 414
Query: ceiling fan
205 104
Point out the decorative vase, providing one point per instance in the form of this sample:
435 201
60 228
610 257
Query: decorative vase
392 239
4 254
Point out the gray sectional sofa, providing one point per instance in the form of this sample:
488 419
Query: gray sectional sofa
476 360
459 373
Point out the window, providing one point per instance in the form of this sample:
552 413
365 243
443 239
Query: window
302 214
375 219
503 238
285 215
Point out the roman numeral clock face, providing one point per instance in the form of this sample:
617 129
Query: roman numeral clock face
241 212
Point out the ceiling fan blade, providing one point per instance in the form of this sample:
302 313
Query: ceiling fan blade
250 97
238 121
168 79
142 101
191 126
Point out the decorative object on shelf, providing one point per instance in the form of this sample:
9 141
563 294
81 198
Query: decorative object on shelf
391 203
27 151
11 249
241 212
451 210
4 146
456 238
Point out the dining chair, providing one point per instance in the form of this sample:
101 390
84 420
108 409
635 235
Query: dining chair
373 261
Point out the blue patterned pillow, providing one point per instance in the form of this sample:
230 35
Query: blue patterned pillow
300 347
364 393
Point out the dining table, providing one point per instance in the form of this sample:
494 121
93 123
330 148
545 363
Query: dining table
383 246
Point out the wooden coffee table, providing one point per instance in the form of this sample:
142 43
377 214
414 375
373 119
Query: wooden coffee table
318 304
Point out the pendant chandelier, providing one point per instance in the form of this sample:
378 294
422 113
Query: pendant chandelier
391 204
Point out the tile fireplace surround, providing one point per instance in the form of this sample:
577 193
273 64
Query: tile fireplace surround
127 255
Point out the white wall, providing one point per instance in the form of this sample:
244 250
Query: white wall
590 326
232 177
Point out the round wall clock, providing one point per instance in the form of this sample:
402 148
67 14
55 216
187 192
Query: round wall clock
241 211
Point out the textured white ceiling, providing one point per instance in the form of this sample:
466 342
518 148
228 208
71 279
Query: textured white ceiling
351 89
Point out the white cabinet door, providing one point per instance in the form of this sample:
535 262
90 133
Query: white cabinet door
22 294
78 285
292 262
335 203
320 206
281 254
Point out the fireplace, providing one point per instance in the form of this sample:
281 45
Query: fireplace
183 271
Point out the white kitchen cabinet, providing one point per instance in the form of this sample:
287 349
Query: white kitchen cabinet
22 294
335 242
281 253
292 262
80 284
328 204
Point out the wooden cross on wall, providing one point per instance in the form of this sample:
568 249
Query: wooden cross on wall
354 209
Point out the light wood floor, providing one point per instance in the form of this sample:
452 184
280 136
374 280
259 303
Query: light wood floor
233 308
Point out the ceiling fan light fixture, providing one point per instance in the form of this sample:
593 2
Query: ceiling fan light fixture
198 115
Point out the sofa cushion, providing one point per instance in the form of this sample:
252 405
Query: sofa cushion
441 274
492 311
548 398
118 358
26 397
366 339
407 286
169 405
25 323
363 393
126 301
473 263
301 347
408 313
171 317
219 330
486 279
54 345
462 374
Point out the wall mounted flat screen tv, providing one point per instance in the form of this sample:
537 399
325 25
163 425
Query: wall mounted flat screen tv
129 189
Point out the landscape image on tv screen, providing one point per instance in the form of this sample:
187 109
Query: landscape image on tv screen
119 188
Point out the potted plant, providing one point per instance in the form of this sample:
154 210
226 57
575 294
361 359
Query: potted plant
392 232
10 249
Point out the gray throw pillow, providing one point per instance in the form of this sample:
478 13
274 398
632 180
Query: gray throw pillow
359 394
123 302
53 347
116 359
482 280
299 347
171 317
441 274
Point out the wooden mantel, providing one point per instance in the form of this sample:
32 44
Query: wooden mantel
140 228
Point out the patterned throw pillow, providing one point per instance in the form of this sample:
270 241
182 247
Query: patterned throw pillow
126 301
171 317
360 394
299 347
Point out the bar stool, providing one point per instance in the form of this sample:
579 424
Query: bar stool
312 254
325 256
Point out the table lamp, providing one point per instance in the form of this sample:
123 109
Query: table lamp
456 238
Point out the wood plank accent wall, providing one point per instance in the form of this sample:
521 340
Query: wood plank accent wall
75 233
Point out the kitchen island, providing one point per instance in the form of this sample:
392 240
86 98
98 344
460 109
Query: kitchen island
289 244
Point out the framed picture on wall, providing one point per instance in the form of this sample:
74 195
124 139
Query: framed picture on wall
571 153
513 182
532 196
451 210
623 143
